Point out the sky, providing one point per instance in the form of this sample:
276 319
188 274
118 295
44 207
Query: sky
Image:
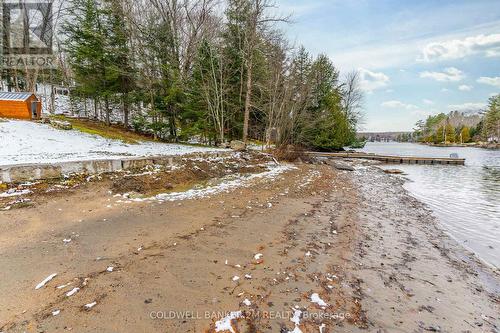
415 58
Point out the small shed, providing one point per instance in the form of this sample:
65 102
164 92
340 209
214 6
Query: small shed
20 105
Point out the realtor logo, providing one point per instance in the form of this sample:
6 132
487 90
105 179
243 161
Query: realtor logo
27 34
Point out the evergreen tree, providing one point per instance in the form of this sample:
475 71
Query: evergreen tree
491 126
85 47
194 77
120 69
465 134
325 125
440 135
450 133
235 45
329 130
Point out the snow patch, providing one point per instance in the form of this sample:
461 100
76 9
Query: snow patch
63 286
29 142
296 317
258 256
228 184
296 330
225 324
44 282
296 320
317 300
90 305
72 292
14 193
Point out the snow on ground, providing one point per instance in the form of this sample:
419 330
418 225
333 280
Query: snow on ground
72 292
226 323
44 282
315 298
28 142
227 184
296 320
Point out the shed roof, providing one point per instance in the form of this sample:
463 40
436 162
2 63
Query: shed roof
14 96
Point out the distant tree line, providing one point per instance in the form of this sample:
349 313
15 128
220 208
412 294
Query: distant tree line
212 70
405 137
457 127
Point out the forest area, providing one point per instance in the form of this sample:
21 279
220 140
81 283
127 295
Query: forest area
457 127
200 71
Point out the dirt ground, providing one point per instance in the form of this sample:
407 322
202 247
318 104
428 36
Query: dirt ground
311 249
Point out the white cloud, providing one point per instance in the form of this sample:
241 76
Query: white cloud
398 105
425 113
450 74
467 107
428 102
486 45
393 53
492 81
465 87
372 80
445 90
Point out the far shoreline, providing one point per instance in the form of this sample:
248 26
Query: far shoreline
482 145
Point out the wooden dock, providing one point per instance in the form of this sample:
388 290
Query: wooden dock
394 159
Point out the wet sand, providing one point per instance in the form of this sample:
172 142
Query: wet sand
312 250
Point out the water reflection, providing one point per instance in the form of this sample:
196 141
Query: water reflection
466 199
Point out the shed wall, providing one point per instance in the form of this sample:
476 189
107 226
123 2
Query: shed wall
14 109
20 109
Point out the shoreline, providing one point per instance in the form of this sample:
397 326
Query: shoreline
458 261
353 247
473 258
405 180
487 146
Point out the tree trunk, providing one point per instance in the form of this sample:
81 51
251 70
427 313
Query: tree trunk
86 115
96 110
52 107
125 111
248 97
106 106
173 128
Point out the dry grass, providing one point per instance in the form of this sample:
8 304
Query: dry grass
290 154
114 132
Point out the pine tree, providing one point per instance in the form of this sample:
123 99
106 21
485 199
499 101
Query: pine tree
95 48
85 47
325 126
195 77
439 136
491 127
120 69
450 133
235 45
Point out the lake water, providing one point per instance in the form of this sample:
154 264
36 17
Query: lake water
465 199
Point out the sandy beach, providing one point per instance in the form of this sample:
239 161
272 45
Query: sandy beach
307 249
